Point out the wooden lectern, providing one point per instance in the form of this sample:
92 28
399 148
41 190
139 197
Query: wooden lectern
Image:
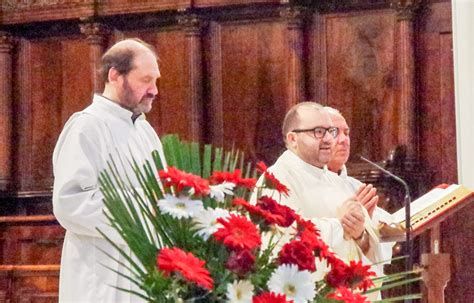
436 265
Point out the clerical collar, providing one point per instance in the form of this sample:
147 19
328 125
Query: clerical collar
115 109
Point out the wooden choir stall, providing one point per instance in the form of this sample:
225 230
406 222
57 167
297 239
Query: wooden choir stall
230 71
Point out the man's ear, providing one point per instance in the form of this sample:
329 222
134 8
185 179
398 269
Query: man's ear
291 139
113 75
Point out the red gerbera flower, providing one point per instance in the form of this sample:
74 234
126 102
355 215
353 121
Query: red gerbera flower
234 177
269 210
298 253
359 275
257 211
270 297
191 268
346 295
237 233
352 275
287 214
181 180
271 181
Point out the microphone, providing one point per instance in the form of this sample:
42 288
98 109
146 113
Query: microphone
407 199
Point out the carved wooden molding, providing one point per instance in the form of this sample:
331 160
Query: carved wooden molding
295 16
95 32
6 42
111 7
23 11
6 47
406 9
192 24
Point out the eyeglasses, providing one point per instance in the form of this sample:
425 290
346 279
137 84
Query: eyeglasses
319 132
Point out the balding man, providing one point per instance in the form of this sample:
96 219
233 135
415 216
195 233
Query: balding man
365 194
113 124
315 192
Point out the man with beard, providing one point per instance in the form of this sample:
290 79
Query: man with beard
315 194
112 126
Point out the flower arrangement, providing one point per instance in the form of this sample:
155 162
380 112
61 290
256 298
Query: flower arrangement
196 237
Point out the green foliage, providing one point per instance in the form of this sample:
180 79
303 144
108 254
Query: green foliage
133 212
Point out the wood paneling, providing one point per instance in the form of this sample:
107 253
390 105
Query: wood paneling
214 3
52 82
354 65
229 74
249 86
33 284
438 139
30 243
21 11
111 7
6 112
173 110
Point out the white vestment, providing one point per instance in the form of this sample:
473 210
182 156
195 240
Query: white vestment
81 153
317 193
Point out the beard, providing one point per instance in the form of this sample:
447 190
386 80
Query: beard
131 102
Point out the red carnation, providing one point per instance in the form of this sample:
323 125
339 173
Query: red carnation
181 180
234 177
346 295
191 268
271 181
270 297
240 262
237 233
298 253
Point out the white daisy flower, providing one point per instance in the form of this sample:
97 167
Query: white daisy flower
206 221
296 285
240 292
219 191
180 207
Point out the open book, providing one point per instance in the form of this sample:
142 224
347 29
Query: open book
427 210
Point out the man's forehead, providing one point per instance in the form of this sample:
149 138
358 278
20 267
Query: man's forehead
338 121
314 116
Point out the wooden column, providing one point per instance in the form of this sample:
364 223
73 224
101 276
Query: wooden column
96 35
6 46
295 18
192 25
406 53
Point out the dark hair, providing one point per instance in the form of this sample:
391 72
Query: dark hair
121 58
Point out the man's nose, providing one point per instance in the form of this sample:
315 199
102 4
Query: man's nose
153 89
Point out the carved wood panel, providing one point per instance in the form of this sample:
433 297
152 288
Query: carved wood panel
110 7
172 111
205 3
248 86
27 244
52 81
32 284
438 140
22 11
354 70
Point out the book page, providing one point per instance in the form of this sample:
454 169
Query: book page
424 201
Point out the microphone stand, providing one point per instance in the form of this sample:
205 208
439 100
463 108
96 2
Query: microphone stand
407 201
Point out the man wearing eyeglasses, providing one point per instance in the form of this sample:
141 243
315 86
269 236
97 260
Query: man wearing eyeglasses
315 192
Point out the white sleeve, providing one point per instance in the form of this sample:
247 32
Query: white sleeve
77 199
